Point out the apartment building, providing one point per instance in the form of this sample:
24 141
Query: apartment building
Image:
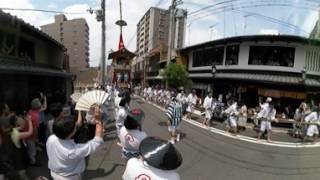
152 44
74 35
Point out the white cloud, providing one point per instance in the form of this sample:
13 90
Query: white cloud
34 18
310 21
52 6
269 31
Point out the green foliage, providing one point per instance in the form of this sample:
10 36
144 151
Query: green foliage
176 75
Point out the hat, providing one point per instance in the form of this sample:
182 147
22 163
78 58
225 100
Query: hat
137 114
269 99
35 104
160 153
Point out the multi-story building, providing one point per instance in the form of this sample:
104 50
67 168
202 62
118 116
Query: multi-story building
152 44
74 35
286 68
30 62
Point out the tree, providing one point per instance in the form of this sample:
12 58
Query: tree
176 75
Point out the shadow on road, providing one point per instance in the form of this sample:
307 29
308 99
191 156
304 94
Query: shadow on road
91 174
163 123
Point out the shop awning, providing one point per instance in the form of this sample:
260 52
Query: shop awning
270 78
32 69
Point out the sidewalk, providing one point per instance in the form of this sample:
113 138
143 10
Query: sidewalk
278 134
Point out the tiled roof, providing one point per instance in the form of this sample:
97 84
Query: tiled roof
258 77
27 67
31 27
272 78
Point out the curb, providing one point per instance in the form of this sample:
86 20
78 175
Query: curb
241 137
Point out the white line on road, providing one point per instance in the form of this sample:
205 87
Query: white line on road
245 138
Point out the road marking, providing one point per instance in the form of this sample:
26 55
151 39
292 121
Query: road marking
241 137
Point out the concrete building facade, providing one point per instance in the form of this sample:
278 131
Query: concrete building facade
250 68
152 45
74 35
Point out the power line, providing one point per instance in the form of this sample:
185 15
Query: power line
270 19
231 7
312 3
40 10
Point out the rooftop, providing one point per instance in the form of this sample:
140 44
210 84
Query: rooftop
255 38
31 27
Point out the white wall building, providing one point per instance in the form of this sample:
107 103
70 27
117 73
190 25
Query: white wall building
249 67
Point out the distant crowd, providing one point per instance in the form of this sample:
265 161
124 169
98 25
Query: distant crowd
306 118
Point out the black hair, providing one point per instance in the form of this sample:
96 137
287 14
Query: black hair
56 109
13 121
131 124
123 102
63 127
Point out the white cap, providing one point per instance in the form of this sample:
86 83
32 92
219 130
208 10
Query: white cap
269 99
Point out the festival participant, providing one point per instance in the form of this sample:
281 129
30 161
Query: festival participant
117 99
131 134
174 115
266 115
158 160
243 117
232 112
66 158
266 104
299 116
207 105
145 93
149 92
122 114
313 121
192 101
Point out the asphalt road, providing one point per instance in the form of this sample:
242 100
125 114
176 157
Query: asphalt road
209 156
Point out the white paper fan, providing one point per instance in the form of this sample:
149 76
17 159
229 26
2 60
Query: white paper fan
90 98
76 96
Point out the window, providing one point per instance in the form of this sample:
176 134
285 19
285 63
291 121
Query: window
9 47
208 57
232 55
26 49
271 56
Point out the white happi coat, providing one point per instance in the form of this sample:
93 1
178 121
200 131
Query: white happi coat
192 101
207 105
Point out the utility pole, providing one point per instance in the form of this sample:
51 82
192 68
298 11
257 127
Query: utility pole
103 43
100 16
172 28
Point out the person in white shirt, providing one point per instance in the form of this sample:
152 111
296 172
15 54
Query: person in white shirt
266 115
313 121
192 101
149 92
131 134
243 117
66 159
266 104
158 161
145 93
122 113
207 105
232 112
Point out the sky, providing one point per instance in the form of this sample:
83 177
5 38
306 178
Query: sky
225 18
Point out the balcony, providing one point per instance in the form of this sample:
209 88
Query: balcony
121 67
